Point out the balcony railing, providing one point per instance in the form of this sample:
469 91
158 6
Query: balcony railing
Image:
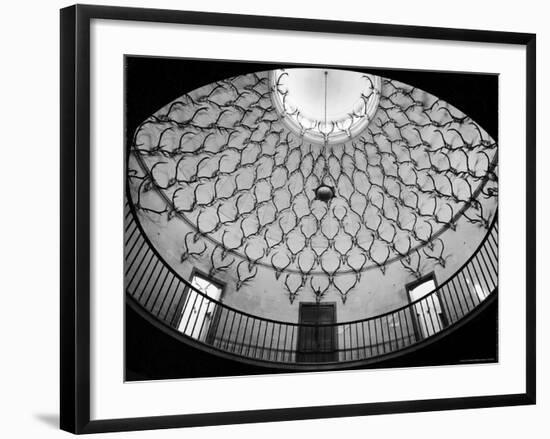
181 309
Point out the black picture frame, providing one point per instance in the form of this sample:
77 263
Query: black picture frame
75 217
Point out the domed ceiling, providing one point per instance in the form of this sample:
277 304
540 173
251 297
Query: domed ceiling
239 162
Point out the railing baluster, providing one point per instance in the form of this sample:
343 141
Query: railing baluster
356 348
344 352
149 278
186 305
177 310
265 335
488 264
388 330
490 268
244 336
258 347
278 341
475 296
292 348
466 285
485 289
379 347
452 311
131 263
222 335
428 310
228 338
457 299
464 300
370 338
152 289
400 329
167 316
270 351
394 325
363 338
413 311
251 335
158 289
197 319
153 273
131 236
408 325
407 316
166 295
147 253
493 245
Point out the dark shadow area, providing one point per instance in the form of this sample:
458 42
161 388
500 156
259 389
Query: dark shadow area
151 83
475 342
152 354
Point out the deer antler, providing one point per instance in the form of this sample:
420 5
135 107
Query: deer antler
279 269
244 280
319 294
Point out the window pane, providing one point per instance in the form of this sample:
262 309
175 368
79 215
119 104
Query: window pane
199 312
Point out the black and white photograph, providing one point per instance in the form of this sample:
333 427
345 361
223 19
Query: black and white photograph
275 219
287 218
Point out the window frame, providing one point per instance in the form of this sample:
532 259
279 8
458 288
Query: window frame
195 272
414 284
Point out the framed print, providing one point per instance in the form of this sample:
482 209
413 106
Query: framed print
283 218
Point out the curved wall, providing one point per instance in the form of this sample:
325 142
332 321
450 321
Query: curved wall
258 288
264 296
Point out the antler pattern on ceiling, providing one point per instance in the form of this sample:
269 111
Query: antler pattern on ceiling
223 162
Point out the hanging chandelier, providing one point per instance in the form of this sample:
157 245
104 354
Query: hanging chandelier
325 191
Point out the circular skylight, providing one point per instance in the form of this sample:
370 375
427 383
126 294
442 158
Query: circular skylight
324 105
251 195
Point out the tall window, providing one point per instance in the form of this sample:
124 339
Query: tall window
429 316
199 311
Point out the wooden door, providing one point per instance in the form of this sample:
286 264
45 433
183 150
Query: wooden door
316 340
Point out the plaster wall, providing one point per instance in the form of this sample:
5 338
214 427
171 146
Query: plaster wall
257 288
375 293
